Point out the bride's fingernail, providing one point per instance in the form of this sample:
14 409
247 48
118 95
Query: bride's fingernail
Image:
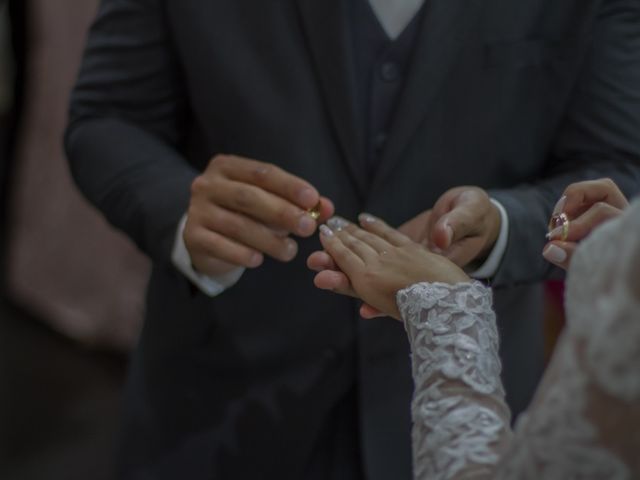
559 208
555 233
367 218
326 231
337 223
554 254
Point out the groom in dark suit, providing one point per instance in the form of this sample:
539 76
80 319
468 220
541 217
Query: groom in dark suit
210 130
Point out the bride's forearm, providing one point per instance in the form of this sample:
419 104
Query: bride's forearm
461 421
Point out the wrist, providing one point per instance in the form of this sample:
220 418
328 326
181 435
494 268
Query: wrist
494 222
491 263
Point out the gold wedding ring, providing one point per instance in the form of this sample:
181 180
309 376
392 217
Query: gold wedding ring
560 220
315 211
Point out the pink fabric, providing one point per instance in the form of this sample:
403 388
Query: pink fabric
555 290
65 263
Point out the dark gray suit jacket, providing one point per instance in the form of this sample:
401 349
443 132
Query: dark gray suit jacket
518 97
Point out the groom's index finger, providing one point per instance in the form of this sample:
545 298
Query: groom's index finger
271 178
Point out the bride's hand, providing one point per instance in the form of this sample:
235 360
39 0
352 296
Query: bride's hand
587 205
378 261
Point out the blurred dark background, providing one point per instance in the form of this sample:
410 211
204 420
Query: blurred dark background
64 329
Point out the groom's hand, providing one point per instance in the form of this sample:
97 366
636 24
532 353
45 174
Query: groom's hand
463 225
242 209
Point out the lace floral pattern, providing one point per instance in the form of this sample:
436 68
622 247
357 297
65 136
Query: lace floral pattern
455 348
461 423
603 302
556 440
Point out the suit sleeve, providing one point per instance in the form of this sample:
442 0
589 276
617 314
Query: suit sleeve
127 125
599 137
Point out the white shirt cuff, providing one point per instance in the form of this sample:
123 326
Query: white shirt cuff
211 285
490 266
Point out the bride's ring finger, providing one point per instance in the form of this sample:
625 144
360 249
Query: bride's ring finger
379 228
377 243
357 246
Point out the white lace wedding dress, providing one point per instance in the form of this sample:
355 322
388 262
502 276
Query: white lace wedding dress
584 422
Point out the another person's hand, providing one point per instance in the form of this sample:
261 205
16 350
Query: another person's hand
242 209
380 261
587 205
463 225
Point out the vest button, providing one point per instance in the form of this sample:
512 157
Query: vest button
389 72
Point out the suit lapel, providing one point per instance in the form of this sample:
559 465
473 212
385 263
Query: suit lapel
443 32
326 24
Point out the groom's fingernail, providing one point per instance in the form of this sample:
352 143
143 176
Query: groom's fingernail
255 260
326 231
307 196
554 254
367 218
337 223
291 249
449 231
306 224
559 208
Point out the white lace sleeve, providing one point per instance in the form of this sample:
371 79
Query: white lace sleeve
460 418
584 420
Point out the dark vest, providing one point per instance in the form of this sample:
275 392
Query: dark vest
381 65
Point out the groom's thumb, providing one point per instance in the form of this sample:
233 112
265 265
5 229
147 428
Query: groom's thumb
442 235
452 227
